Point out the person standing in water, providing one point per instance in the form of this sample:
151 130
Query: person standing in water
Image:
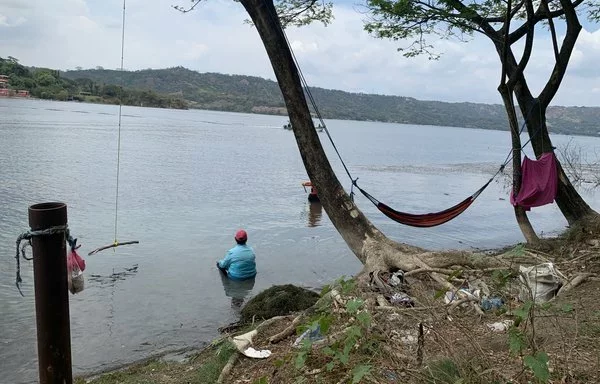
313 197
239 262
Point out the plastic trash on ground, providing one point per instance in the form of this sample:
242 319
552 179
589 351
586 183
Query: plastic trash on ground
396 278
543 280
309 334
242 344
401 299
500 326
460 294
491 303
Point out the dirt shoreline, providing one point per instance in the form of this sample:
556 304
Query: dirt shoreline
432 342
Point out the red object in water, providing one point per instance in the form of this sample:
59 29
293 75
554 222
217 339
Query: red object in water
539 182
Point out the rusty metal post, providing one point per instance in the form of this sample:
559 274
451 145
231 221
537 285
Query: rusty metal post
51 294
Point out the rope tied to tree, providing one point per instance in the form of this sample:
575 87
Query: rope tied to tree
28 236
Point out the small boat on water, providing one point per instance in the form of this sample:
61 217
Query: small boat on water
288 126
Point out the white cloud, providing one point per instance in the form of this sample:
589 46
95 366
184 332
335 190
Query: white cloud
69 33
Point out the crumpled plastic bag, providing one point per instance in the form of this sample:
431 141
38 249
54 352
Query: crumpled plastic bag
242 344
500 326
543 280
75 268
309 334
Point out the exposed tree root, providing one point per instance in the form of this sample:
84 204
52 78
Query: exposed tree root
577 280
288 331
227 368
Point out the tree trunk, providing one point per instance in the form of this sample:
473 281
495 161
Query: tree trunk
373 248
365 240
569 201
522 220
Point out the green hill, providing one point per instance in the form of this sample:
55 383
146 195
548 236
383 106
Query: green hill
45 83
254 94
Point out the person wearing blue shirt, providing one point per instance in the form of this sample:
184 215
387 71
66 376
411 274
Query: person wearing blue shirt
240 261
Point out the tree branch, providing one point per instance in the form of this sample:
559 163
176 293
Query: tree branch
475 17
186 10
568 44
527 49
552 31
540 14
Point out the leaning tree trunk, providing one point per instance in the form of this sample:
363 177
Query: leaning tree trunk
370 245
373 249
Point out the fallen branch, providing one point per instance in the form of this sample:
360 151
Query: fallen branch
270 321
577 280
227 368
427 270
288 331
453 304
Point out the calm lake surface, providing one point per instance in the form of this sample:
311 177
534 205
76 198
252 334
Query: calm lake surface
189 179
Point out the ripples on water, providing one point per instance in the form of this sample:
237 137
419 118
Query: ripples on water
189 179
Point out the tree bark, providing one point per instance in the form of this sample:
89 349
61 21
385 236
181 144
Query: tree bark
521 216
370 245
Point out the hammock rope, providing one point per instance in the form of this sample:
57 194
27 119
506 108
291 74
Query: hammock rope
416 220
116 242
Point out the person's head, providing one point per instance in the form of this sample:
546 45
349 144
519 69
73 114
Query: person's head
241 237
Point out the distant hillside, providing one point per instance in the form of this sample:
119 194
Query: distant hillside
45 83
254 94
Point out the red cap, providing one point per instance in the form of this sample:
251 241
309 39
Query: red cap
241 235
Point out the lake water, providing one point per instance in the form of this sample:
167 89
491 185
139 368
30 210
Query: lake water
189 179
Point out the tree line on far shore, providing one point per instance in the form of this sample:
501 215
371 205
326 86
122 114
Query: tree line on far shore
49 84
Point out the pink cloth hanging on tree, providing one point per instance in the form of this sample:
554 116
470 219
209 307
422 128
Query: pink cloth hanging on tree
539 182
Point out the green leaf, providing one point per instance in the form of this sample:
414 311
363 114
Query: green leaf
567 308
328 351
279 363
539 365
262 380
300 359
325 290
359 372
347 286
439 293
352 306
364 318
454 275
325 323
353 332
330 365
523 312
516 340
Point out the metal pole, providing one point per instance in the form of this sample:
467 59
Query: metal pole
51 294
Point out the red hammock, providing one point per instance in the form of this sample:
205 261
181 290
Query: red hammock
427 219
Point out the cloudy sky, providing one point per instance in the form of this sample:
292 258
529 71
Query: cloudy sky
214 38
